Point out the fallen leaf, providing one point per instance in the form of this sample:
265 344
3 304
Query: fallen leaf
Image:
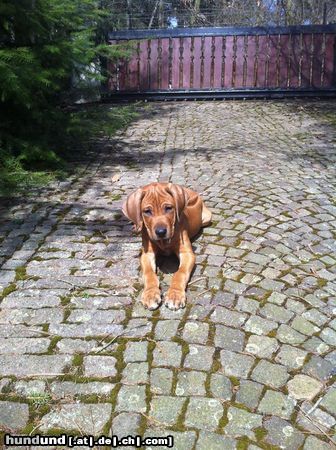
116 177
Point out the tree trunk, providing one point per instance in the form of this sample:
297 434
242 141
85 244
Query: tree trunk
195 11
153 14
129 15
160 18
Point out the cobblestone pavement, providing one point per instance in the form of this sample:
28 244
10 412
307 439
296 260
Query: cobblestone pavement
250 362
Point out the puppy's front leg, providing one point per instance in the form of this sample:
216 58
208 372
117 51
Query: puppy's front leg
176 297
151 296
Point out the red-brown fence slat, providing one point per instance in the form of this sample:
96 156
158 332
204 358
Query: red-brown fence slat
132 79
217 71
284 61
305 66
154 67
197 63
295 61
143 67
251 56
207 49
186 63
317 61
329 63
175 63
239 75
262 58
228 62
164 63
272 66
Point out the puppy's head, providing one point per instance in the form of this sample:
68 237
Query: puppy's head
158 207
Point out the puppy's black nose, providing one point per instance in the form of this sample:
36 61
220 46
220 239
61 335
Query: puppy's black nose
161 232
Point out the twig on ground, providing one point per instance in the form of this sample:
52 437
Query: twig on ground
203 292
316 425
151 419
34 429
197 279
315 406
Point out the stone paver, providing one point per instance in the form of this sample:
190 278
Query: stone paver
257 339
84 418
277 404
242 423
166 409
204 413
282 434
303 387
13 416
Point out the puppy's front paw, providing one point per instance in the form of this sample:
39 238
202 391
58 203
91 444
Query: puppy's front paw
175 299
151 298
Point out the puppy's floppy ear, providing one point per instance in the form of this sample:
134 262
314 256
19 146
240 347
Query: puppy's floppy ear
132 208
180 197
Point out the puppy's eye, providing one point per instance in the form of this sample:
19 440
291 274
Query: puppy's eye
168 209
147 212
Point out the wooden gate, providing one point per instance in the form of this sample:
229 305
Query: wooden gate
225 62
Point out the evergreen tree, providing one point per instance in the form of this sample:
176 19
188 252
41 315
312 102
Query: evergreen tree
44 46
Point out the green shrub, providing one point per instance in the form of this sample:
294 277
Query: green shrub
44 46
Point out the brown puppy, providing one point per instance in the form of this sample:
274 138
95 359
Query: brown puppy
168 215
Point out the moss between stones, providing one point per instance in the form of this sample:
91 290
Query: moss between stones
77 221
20 273
61 214
243 443
77 359
52 249
272 334
235 381
67 313
65 299
8 290
207 385
179 425
223 421
260 433
240 406
12 398
212 331
113 197
8 388
75 378
184 347
53 343
321 282
39 259
216 365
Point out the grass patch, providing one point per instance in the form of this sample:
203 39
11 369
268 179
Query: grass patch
15 178
39 399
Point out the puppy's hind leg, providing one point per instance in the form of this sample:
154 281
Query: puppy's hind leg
206 216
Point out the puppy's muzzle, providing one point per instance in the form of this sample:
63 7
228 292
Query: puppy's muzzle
161 232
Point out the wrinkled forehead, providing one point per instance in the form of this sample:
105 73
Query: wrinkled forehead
155 196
